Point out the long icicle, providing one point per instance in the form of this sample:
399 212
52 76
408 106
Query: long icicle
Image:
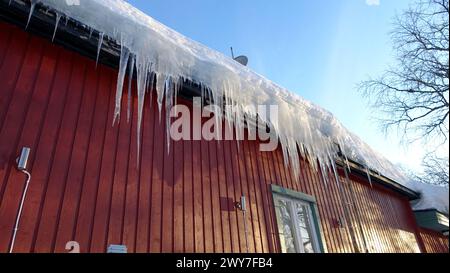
99 47
58 18
124 56
142 68
32 7
130 81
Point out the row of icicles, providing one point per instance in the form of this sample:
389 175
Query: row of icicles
128 62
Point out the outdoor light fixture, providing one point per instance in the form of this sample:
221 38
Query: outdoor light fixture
241 205
23 159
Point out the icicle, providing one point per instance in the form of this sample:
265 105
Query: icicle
124 56
100 43
368 176
10 2
33 5
324 175
130 81
335 172
160 90
58 17
91 30
142 68
170 89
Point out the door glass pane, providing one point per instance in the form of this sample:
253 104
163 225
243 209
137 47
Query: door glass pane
285 227
304 222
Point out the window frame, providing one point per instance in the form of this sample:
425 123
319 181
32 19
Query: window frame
313 213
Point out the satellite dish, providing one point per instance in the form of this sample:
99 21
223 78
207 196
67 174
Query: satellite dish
242 60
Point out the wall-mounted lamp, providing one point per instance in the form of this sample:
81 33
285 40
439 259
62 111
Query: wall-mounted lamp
241 205
339 222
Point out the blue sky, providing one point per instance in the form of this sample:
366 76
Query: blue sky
320 49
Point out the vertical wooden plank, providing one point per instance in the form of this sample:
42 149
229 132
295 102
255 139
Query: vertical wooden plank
132 190
343 231
321 190
229 174
77 167
6 33
274 177
259 184
224 201
208 229
157 185
380 197
246 180
188 208
18 70
264 181
198 196
215 198
367 219
178 198
145 180
352 221
167 191
239 184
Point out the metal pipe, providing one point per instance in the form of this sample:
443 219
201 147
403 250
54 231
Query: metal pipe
19 213
246 230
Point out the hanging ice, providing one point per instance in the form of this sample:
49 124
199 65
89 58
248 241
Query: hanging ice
130 81
32 7
99 47
125 55
167 56
58 18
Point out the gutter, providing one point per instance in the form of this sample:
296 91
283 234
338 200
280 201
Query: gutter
357 168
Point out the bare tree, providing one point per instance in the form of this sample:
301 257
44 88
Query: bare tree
435 170
413 96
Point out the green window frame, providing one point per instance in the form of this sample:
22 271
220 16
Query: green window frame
302 198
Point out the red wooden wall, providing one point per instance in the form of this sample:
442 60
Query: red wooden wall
87 185
434 242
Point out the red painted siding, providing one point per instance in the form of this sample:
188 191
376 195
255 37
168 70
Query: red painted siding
88 186
434 242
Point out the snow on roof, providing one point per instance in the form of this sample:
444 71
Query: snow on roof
155 48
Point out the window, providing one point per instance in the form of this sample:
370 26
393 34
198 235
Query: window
298 227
